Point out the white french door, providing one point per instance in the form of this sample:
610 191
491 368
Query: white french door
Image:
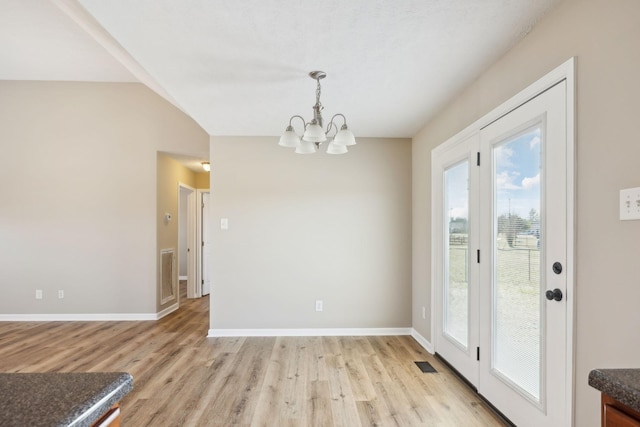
525 213
456 175
501 232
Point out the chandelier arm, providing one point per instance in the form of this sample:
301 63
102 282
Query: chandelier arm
341 115
332 124
329 127
304 124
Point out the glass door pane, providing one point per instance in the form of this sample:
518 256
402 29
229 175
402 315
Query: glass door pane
517 332
456 280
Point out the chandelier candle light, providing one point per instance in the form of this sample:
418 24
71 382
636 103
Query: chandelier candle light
314 135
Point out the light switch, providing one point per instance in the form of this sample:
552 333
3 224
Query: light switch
630 204
224 223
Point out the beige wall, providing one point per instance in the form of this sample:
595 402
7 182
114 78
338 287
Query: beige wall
301 228
78 196
202 180
604 36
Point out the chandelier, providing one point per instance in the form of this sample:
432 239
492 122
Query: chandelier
314 134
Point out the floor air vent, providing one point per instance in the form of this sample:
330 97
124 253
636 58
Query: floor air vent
426 367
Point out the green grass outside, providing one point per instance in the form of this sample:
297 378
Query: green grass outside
517 301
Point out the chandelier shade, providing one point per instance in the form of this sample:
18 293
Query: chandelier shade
313 133
305 147
344 137
334 148
289 138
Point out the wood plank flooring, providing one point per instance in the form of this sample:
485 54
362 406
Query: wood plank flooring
183 378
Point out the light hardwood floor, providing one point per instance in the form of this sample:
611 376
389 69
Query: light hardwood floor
182 378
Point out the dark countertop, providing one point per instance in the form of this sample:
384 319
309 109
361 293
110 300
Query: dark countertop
621 384
59 399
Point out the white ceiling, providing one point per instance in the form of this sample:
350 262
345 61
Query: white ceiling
39 42
239 67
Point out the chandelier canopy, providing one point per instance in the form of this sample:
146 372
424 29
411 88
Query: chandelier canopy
314 134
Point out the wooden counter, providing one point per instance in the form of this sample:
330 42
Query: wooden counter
620 401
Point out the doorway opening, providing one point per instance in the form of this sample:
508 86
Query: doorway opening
187 236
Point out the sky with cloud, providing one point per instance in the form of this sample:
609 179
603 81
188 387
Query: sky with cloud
517 175
456 190
517 171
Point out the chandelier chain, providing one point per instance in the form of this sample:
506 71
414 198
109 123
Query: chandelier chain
317 109
318 93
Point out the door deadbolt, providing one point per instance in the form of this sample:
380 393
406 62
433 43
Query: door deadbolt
557 267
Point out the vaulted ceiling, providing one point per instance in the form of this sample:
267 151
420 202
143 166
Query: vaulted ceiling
239 67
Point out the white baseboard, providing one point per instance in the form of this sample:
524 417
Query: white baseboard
422 341
312 332
78 317
183 277
88 317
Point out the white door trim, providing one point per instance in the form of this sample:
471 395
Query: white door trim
565 71
199 220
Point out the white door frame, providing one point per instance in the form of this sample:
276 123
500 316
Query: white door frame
566 71
191 236
200 240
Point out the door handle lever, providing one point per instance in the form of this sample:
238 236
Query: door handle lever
555 294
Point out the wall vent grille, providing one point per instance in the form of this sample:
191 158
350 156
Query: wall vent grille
167 279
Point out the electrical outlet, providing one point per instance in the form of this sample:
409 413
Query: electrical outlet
424 312
38 293
319 305
630 204
60 294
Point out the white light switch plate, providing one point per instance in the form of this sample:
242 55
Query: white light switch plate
224 223
630 204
